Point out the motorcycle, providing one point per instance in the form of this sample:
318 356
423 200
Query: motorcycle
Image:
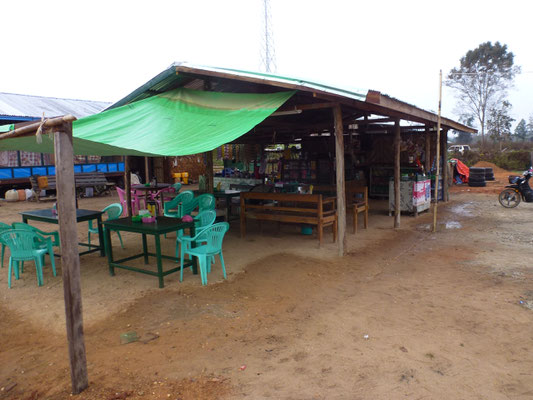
518 190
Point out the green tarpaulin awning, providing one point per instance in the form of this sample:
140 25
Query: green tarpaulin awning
174 123
6 128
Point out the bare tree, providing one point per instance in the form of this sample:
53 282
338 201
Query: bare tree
482 80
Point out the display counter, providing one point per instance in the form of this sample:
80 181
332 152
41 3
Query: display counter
415 195
225 182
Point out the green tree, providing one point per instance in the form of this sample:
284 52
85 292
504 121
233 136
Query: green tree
530 126
521 130
499 123
482 79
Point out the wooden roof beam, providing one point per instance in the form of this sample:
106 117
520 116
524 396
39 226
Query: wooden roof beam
310 106
374 121
26 129
375 97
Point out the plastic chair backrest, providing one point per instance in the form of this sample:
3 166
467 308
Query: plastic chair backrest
206 202
187 207
213 236
113 211
183 197
4 227
121 196
21 242
203 202
39 239
176 187
205 218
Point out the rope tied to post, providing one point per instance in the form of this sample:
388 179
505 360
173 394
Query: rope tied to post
39 133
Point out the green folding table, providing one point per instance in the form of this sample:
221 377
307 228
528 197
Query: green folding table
48 215
160 227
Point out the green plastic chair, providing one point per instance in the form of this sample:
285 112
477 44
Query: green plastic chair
206 202
113 211
202 220
54 235
211 239
183 197
176 187
26 245
3 228
203 202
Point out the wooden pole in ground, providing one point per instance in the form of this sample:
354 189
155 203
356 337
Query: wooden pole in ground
127 184
70 260
428 149
209 181
397 203
437 158
146 170
341 196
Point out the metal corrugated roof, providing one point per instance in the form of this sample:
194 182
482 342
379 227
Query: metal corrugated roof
179 74
183 74
27 106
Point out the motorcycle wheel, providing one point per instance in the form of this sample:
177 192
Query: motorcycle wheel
509 198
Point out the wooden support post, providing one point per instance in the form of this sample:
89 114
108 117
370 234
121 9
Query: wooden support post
209 181
146 170
428 149
437 158
397 140
70 260
444 151
341 195
127 184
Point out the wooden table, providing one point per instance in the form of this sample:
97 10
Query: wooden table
48 215
227 195
153 189
160 227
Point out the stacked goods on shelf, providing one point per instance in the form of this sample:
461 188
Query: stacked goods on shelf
477 177
489 174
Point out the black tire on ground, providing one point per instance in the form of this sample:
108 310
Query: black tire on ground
475 179
489 174
477 184
508 198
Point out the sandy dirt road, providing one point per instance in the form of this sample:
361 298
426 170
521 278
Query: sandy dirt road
407 314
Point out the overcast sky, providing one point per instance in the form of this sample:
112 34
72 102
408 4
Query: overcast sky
103 50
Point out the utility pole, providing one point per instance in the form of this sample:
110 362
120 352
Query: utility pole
268 55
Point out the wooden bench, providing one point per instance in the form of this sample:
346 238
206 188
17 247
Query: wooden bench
356 199
96 180
311 209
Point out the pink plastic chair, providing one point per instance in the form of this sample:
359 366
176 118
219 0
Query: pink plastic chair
137 196
135 201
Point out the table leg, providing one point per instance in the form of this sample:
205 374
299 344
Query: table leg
100 235
159 263
162 202
145 249
109 251
24 219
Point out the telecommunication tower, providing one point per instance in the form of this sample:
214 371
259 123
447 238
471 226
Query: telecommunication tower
268 55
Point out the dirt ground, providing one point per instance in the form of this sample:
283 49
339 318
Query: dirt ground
407 314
